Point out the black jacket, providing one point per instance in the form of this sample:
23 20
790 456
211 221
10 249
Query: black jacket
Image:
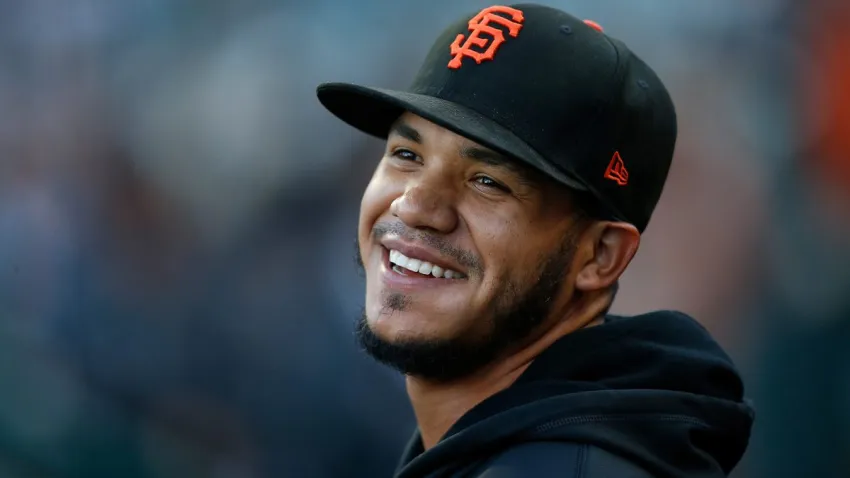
646 396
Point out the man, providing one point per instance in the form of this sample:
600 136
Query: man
521 168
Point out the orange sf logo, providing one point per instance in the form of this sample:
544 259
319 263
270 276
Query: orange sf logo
481 23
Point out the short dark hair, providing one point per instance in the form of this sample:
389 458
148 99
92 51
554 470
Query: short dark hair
587 206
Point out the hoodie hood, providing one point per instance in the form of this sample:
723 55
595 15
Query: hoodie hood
655 389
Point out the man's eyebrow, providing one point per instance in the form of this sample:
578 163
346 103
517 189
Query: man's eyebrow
406 131
493 158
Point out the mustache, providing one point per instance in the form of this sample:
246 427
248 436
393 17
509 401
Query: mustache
468 260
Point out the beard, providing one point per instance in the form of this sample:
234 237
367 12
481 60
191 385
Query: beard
520 310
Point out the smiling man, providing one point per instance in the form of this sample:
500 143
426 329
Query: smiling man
520 169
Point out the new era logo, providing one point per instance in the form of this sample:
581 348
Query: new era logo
617 171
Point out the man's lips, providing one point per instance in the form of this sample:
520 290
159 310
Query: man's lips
420 259
398 278
408 265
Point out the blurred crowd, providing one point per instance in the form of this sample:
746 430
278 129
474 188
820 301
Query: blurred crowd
178 214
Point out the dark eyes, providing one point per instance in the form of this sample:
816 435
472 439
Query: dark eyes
486 182
405 154
491 183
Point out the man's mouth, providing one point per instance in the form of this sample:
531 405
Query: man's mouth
410 266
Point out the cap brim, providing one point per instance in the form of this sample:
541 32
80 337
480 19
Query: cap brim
373 111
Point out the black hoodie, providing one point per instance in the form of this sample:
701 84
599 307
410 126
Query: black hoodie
655 390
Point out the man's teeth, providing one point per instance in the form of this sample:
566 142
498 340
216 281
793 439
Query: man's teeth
422 267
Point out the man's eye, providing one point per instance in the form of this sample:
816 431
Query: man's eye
405 154
490 183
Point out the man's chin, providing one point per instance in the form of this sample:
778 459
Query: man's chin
439 360
392 329
398 318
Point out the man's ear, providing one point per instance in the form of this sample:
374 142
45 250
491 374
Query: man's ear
613 244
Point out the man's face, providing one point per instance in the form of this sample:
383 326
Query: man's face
465 253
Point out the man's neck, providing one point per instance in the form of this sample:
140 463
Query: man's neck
438 406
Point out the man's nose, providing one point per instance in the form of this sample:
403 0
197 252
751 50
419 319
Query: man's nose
426 204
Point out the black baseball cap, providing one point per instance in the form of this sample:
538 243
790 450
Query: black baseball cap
546 88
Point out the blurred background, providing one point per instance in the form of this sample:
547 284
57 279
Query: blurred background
177 221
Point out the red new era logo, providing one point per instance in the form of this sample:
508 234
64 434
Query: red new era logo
617 171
